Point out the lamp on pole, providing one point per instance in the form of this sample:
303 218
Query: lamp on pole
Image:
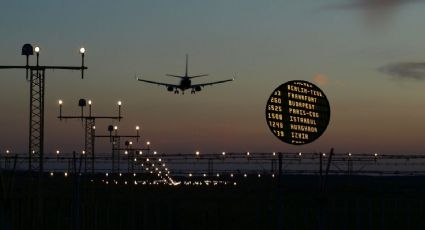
36 74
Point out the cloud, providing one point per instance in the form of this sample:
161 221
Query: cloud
405 70
370 4
320 79
376 12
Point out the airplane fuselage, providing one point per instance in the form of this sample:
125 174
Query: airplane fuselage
185 83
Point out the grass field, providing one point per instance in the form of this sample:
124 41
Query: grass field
348 203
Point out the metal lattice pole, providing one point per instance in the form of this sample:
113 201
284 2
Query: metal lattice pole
90 130
37 90
36 129
116 153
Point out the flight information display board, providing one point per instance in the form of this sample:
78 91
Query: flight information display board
297 112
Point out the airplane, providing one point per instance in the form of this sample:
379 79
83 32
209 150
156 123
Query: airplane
185 82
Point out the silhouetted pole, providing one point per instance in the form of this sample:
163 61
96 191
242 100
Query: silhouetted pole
320 171
280 167
129 154
279 194
322 199
327 170
210 167
76 198
348 165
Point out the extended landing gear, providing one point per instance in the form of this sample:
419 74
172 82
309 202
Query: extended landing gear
176 92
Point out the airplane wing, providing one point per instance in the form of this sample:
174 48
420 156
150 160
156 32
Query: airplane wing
158 83
212 83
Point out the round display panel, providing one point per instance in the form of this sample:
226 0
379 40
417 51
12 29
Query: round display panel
297 112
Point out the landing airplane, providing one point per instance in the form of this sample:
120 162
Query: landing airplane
185 82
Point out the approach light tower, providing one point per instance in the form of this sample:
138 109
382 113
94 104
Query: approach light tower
131 153
115 140
89 129
37 76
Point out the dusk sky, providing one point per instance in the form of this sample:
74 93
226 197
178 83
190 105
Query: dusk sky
368 57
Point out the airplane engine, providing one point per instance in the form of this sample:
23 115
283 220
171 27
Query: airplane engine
170 88
198 88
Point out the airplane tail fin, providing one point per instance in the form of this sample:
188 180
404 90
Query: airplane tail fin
186 71
187 63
